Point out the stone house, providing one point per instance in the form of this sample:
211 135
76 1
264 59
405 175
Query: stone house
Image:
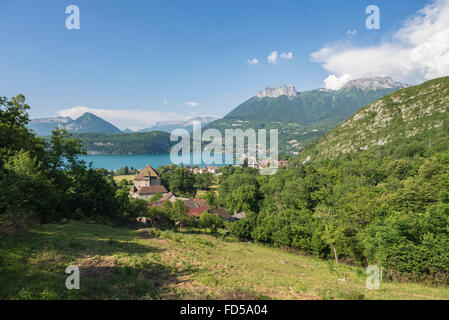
147 183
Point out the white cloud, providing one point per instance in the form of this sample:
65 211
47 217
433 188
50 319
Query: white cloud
273 57
165 102
125 118
418 51
334 83
351 32
287 55
192 104
253 61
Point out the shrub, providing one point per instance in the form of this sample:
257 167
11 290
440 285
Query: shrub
211 221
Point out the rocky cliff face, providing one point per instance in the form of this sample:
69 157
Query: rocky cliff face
169 126
375 84
278 91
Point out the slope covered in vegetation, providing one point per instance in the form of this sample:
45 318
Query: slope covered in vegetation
126 143
415 118
303 118
373 191
120 263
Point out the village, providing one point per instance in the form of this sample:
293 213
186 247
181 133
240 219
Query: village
147 185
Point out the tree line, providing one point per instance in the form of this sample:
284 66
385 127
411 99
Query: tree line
44 179
388 207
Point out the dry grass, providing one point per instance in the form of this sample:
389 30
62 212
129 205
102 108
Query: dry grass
120 264
129 177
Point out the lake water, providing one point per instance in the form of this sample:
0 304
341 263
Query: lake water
136 161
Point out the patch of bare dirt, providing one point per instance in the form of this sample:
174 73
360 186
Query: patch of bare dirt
97 267
12 229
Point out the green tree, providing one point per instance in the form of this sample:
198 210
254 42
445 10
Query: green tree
63 151
211 199
239 191
182 182
177 211
210 221
25 188
203 181
244 228
93 194
333 230
156 197
14 134
123 171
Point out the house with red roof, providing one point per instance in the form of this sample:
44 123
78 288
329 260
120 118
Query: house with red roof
196 206
167 197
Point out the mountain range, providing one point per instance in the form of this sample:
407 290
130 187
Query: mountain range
306 116
87 123
169 126
300 118
90 123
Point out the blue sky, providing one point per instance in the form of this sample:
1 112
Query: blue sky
154 57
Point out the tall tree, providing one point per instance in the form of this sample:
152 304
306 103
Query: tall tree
182 182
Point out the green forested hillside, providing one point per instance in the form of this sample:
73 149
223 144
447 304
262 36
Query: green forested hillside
373 191
300 119
307 107
126 143
412 118
387 206
44 180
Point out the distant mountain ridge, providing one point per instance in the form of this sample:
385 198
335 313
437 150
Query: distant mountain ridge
317 104
375 84
90 123
282 90
169 126
87 123
307 116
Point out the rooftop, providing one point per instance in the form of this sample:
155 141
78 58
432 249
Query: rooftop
152 190
148 171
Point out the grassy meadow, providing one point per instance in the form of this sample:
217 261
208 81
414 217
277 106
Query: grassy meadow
128 177
124 263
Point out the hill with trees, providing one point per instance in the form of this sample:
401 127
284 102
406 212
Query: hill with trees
126 143
44 179
411 120
374 191
305 117
383 204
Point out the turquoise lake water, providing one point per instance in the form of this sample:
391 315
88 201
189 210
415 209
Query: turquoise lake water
136 161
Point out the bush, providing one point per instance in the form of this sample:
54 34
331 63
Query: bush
211 221
244 228
413 245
